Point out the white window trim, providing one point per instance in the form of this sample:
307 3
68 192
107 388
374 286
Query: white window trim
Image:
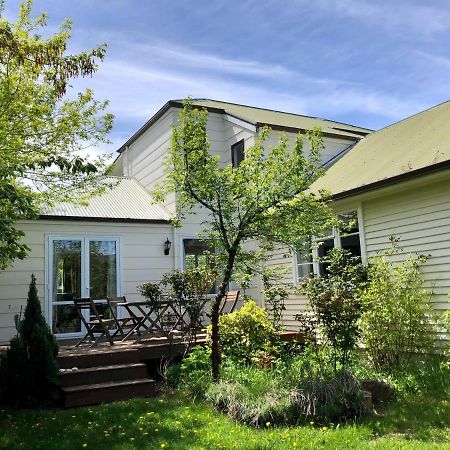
337 243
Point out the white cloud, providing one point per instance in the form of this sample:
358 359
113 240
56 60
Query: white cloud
395 16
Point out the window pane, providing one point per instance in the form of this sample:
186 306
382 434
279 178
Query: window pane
65 319
237 153
323 249
304 271
194 250
66 269
102 269
352 244
350 222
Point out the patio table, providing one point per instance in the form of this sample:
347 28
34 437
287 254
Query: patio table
151 314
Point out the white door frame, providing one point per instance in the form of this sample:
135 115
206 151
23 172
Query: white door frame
85 282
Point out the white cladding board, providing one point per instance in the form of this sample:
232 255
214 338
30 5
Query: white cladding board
142 260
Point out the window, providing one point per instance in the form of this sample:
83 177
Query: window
304 263
194 250
347 237
237 153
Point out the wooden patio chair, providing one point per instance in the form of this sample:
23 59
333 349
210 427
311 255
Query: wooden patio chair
228 303
124 323
96 324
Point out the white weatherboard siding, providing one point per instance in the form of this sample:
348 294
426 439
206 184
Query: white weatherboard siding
420 218
141 253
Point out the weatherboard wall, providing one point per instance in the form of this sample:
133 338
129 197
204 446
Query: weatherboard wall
142 259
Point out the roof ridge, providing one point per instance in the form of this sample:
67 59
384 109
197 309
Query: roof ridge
405 119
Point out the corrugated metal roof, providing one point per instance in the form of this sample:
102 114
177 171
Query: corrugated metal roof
282 119
413 144
125 200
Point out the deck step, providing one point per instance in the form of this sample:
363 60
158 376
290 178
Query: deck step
94 394
103 374
96 358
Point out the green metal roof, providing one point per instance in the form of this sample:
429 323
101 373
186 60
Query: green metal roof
126 200
415 145
284 120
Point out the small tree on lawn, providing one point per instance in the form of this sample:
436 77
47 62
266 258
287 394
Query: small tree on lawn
265 199
29 370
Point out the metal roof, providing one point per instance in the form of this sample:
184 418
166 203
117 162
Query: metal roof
263 116
126 200
258 117
413 146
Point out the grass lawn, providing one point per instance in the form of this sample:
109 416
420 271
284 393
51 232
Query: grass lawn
173 422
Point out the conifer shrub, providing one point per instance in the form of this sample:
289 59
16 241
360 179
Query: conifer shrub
29 370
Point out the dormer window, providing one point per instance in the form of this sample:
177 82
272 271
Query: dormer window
237 153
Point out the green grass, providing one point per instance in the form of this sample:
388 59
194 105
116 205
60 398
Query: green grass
174 422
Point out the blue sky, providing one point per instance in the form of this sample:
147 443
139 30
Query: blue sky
364 62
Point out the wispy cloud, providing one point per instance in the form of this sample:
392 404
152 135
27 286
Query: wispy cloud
394 16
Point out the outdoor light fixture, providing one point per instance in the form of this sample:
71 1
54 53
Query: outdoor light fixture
167 246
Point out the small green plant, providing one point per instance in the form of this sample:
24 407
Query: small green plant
29 371
397 321
335 301
151 291
248 335
193 374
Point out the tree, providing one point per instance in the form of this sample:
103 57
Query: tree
266 198
44 131
29 372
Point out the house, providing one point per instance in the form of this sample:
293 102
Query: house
397 183
116 243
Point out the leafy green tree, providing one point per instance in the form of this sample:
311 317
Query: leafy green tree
335 301
265 198
44 131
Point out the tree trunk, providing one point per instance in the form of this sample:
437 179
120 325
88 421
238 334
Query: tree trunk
215 312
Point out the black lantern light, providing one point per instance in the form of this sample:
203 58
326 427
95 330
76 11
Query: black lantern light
167 246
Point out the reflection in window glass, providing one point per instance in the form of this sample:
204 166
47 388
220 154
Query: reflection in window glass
304 263
65 319
194 252
323 249
66 269
102 269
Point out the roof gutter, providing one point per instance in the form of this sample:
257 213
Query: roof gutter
103 219
392 180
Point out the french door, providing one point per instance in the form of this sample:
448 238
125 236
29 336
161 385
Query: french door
79 266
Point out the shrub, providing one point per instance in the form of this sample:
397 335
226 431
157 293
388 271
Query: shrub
151 291
248 335
193 374
29 371
334 300
396 323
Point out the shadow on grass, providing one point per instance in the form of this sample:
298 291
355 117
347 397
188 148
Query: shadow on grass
424 418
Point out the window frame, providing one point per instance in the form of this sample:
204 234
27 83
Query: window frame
233 156
336 236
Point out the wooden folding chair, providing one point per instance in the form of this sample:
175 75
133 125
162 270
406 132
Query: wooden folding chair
96 323
123 323
230 302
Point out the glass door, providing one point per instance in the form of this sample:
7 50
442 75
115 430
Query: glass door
66 284
80 267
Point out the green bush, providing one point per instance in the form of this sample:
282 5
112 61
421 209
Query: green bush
29 371
335 301
396 323
193 374
248 335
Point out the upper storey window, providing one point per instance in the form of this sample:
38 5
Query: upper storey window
237 153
